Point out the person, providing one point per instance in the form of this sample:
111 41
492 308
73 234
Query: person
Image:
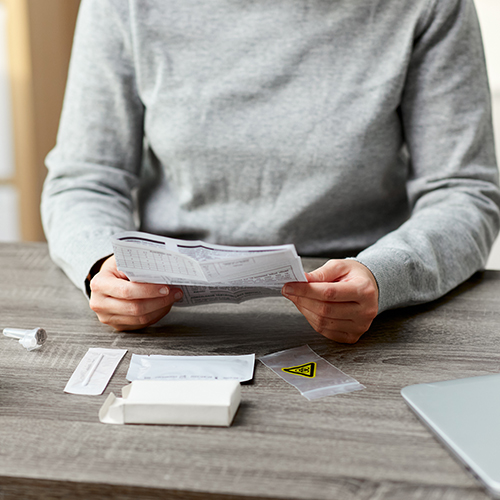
359 131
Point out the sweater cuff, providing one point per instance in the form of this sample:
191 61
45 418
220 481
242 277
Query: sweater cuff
391 271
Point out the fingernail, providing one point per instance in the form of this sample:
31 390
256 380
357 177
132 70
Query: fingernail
178 296
163 291
288 290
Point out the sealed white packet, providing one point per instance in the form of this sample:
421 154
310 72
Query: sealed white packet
94 371
162 367
311 374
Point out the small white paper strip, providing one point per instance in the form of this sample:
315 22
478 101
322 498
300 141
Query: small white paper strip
159 367
192 402
94 371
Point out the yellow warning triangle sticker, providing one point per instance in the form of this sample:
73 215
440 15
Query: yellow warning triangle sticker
306 370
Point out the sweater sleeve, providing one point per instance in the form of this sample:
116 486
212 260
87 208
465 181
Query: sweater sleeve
94 169
453 181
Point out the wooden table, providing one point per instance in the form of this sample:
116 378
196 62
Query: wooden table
363 445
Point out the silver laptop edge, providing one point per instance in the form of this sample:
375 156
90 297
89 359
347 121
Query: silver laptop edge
433 414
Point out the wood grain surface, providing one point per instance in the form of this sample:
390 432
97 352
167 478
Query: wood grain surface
358 446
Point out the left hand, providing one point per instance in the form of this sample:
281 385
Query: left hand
340 300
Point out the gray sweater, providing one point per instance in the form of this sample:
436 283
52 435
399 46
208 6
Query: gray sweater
349 128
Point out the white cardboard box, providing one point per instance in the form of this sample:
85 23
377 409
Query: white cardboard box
191 402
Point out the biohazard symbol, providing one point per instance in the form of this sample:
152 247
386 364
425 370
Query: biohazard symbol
306 370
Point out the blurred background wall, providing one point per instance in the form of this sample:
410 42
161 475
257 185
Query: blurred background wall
35 45
489 17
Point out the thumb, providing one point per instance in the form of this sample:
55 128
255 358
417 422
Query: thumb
333 270
109 265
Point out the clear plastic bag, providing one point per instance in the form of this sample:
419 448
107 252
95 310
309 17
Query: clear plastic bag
312 375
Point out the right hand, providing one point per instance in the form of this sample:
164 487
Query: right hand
126 305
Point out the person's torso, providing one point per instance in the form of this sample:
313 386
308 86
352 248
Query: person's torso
274 122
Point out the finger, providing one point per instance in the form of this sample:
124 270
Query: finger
332 270
331 310
112 286
341 291
125 323
340 330
134 308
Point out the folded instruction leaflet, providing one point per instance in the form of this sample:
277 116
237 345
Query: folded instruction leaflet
205 272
